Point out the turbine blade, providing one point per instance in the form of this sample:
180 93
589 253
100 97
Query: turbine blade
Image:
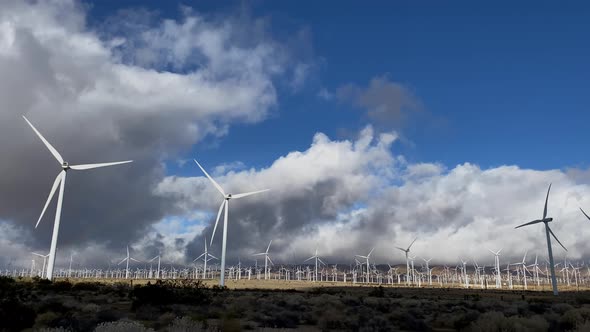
270 260
216 222
529 223
312 257
258 254
268 246
122 261
555 237
213 256
248 194
412 244
585 213
47 144
546 199
370 252
201 255
133 259
321 261
56 183
402 249
91 166
210 178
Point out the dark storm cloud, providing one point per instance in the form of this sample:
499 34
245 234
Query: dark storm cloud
93 108
253 224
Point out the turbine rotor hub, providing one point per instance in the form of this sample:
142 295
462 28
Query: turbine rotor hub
228 196
65 165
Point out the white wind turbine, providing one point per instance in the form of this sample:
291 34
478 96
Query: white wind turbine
44 260
128 258
61 181
206 257
524 269
158 270
225 203
548 231
317 258
368 265
497 266
266 261
428 270
407 251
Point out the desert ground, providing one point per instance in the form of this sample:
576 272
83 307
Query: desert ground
275 305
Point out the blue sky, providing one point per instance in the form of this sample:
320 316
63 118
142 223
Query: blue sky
502 84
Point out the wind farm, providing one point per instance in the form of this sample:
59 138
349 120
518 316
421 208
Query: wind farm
278 165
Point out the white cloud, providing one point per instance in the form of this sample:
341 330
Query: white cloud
379 200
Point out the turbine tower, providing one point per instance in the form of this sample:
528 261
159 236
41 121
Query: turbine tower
548 231
224 204
61 181
407 251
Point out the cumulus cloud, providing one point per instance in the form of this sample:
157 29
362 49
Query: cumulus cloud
147 89
346 197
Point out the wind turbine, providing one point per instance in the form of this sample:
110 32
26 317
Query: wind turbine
127 266
428 270
266 260
206 257
224 203
158 271
367 258
317 258
44 260
60 181
548 231
407 251
497 266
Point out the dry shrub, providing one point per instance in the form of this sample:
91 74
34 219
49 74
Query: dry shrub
495 321
582 327
54 329
121 326
574 318
186 324
46 319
